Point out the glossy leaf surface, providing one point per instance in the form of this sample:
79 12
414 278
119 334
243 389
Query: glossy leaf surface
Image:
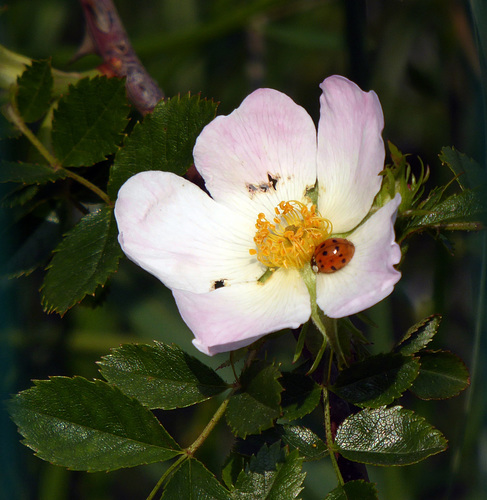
89 426
161 375
442 375
272 475
377 380
255 406
388 436
85 258
419 335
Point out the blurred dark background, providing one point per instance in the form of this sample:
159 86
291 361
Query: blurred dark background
421 59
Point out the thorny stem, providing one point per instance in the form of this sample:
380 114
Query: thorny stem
54 163
108 37
329 437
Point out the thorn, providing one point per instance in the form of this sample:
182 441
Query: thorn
86 48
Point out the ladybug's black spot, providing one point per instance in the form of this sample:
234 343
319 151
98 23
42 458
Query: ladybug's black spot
334 268
344 261
334 241
325 253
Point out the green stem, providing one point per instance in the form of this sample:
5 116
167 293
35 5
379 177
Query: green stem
329 437
190 450
309 278
53 162
169 470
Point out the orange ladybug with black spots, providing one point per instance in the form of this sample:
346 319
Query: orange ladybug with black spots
332 255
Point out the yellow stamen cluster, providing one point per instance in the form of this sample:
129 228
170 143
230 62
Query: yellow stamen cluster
290 239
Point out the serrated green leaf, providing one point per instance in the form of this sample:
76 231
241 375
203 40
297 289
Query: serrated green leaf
301 395
193 481
164 140
378 380
36 249
232 467
34 91
304 440
89 426
19 196
29 173
388 436
160 375
470 173
419 335
354 490
458 212
255 406
442 375
272 475
85 258
89 121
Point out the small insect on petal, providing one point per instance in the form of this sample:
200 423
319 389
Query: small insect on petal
332 255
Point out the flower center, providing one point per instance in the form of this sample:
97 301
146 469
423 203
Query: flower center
290 240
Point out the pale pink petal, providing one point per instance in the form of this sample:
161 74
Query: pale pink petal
370 276
350 152
174 230
262 153
235 316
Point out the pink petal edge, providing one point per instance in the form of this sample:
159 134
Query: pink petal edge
350 152
235 316
174 230
262 153
370 276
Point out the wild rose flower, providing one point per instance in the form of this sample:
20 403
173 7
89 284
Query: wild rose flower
236 260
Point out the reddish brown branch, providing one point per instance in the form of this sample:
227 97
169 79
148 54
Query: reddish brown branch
109 39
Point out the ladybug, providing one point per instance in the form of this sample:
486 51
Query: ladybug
332 255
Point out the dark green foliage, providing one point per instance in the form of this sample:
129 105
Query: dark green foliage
442 375
84 260
388 436
255 406
160 375
164 140
354 490
378 380
29 173
89 121
301 395
34 91
271 474
89 426
193 481
419 335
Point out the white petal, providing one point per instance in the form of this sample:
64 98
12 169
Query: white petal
174 230
370 276
262 153
235 316
350 152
